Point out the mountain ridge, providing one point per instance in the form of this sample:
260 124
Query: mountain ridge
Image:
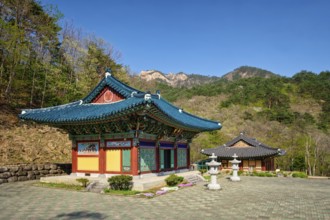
244 72
176 79
182 79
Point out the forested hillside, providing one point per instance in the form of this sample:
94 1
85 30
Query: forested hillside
288 113
43 64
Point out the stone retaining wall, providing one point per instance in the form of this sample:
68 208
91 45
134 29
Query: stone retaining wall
23 172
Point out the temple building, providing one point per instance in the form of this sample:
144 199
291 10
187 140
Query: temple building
255 156
117 129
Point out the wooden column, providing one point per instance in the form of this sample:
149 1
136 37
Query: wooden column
263 166
135 159
74 156
272 164
241 166
102 160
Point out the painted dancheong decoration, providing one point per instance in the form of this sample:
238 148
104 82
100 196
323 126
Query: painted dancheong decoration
117 129
89 148
255 156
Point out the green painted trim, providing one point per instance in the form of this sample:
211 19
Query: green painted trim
126 164
119 135
86 137
161 162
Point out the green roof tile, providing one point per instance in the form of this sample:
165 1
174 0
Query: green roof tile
84 111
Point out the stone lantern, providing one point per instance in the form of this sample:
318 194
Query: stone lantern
235 168
213 171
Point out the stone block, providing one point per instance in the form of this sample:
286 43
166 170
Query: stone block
34 167
22 178
44 171
53 166
53 171
37 177
40 167
32 177
47 166
5 175
27 167
21 173
14 169
30 173
36 172
12 179
3 181
3 169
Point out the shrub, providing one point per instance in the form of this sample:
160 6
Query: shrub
84 181
173 180
240 172
120 182
267 174
299 174
202 171
263 174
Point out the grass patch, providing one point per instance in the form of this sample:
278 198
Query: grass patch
60 186
299 175
121 192
208 178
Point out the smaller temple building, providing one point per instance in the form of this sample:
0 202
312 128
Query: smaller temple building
255 156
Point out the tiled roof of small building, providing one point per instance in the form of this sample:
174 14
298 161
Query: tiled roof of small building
255 149
84 111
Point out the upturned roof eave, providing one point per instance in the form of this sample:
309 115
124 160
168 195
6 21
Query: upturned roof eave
221 156
167 119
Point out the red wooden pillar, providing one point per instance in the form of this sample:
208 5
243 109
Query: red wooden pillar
135 159
272 164
241 165
263 165
157 152
102 160
74 156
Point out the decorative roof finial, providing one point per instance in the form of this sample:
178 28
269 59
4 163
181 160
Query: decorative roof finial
158 93
107 72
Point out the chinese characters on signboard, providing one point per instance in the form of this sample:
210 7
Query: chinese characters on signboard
118 144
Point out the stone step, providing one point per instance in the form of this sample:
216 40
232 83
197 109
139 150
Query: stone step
97 186
194 178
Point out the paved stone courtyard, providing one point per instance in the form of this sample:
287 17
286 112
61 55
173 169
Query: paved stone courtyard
252 198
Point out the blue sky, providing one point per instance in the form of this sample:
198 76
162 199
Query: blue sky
209 37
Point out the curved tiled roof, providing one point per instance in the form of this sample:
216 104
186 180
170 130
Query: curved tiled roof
84 111
254 150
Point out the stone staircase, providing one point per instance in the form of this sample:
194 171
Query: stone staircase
97 186
194 179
